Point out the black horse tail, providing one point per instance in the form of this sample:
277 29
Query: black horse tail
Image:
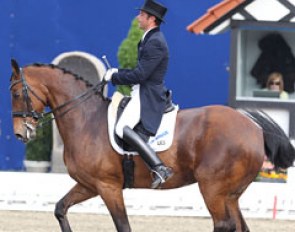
278 147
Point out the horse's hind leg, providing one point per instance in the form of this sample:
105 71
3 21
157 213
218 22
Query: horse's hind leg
235 212
217 201
76 195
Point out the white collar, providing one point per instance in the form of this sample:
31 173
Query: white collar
145 33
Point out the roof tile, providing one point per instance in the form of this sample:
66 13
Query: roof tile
212 15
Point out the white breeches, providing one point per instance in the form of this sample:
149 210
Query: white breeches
131 114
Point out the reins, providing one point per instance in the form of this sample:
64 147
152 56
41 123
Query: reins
82 97
30 112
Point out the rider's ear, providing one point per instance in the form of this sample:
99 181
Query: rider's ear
15 67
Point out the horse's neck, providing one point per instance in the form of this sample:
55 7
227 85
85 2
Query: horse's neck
85 119
80 115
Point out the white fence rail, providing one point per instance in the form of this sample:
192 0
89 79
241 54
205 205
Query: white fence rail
40 192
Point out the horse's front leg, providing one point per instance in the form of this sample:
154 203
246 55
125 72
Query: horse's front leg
76 195
113 198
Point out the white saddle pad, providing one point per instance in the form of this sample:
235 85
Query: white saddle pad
160 142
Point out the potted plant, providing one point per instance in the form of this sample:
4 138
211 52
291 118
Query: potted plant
38 151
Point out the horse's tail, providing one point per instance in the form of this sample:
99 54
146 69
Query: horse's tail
278 147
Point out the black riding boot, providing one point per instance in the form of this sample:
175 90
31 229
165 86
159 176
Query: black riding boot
162 173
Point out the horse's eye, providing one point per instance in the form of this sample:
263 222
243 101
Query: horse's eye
15 94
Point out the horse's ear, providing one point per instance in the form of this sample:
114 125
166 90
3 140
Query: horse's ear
15 67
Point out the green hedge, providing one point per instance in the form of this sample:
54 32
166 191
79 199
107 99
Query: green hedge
127 53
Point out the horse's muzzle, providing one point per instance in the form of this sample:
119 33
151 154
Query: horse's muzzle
27 133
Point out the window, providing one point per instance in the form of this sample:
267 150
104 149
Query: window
253 64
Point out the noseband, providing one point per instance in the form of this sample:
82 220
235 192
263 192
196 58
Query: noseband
27 102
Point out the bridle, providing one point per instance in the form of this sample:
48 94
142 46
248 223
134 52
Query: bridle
29 110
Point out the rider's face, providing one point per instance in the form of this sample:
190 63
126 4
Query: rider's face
144 20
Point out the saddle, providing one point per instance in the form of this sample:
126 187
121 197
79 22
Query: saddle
164 136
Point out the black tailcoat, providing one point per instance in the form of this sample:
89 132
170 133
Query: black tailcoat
149 73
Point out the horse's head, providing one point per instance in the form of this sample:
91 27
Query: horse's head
28 101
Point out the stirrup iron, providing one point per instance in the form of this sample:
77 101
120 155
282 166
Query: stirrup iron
159 175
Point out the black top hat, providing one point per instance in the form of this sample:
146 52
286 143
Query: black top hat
154 8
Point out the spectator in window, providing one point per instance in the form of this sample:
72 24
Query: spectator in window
276 56
275 83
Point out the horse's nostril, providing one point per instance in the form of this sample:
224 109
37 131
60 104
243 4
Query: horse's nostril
19 137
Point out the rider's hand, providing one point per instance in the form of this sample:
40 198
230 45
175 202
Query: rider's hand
109 73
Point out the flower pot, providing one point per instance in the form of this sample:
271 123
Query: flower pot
36 166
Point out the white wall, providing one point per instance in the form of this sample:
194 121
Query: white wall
40 192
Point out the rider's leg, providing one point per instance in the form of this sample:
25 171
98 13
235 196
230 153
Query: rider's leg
139 143
128 120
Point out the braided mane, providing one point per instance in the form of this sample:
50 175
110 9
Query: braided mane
65 71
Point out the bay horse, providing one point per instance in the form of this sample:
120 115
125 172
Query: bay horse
217 147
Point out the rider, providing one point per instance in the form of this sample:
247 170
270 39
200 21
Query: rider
142 116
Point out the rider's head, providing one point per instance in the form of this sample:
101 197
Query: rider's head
151 14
